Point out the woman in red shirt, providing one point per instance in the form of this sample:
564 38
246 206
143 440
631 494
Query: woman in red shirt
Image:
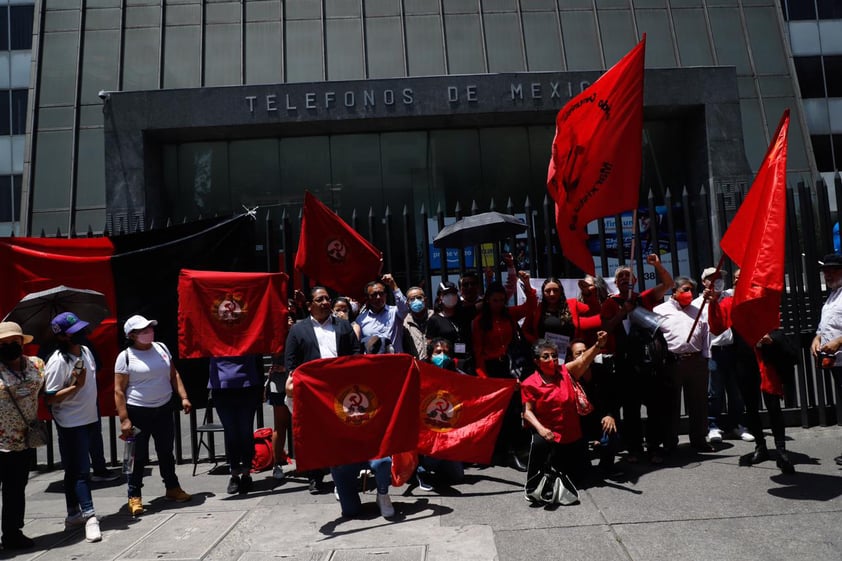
549 403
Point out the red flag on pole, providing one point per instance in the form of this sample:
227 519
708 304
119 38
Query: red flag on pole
230 314
331 253
597 153
755 243
460 415
354 408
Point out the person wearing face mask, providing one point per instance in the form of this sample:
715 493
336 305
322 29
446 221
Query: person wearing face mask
592 293
343 309
452 321
71 392
21 378
145 379
549 408
415 323
686 367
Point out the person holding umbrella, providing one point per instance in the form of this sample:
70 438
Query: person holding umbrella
21 378
70 388
144 381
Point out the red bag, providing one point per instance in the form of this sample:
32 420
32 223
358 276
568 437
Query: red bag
264 454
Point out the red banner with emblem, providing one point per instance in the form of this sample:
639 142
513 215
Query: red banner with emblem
354 408
460 415
230 314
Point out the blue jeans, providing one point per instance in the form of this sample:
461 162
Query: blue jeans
74 445
155 422
345 478
723 380
236 408
446 471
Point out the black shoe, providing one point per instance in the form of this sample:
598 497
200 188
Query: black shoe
760 455
838 460
516 464
784 463
313 487
17 541
233 485
246 484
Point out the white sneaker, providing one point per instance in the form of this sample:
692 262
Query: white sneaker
743 433
336 492
278 472
714 435
74 521
92 533
385 505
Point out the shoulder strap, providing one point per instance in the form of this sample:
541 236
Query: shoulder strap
12 397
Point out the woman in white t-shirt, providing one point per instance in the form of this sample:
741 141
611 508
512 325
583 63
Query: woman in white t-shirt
144 381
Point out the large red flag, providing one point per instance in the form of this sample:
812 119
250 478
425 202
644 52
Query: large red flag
755 243
354 408
597 153
230 314
460 415
331 253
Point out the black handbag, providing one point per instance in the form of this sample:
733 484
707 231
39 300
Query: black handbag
554 488
519 355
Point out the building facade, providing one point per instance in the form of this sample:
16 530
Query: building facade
152 110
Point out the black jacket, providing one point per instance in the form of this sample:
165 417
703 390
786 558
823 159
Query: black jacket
302 345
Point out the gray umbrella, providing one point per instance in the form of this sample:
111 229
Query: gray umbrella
35 310
480 228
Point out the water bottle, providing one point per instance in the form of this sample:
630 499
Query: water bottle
128 452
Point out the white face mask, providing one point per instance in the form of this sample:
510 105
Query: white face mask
449 300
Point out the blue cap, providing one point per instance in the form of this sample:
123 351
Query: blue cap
67 323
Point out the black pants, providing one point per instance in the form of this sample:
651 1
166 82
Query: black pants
748 378
236 408
569 459
14 474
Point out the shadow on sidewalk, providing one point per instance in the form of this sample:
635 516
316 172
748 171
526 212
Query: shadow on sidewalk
404 512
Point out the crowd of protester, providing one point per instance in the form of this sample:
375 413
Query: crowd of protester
592 361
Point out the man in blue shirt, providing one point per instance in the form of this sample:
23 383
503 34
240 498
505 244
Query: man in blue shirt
381 324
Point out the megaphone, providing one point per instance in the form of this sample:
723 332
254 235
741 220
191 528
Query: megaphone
645 319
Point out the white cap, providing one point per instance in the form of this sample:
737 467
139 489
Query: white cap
136 323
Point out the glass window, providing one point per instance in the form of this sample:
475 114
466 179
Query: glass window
99 64
90 173
464 44
223 12
56 118
689 3
10 190
578 31
181 57
183 14
837 150
5 112
775 86
58 69
505 164
804 38
305 164
256 166
264 53
374 8
6 155
796 157
461 6
203 179
728 38
828 9
343 39
659 51
52 175
102 19
141 48
95 218
833 75
19 99
540 143
834 113
823 151
809 72
830 35
421 6
143 16
303 9
4 28
49 222
223 60
21 19
384 47
611 4
537 5
21 67
424 47
767 46
650 3
543 48
342 8
617 32
455 168
499 6
503 42
303 52
817 116
263 10
692 36
403 158
754 135
800 9
575 4
18 144
355 165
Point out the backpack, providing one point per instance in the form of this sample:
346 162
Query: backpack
264 454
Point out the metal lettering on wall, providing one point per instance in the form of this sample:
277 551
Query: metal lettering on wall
552 92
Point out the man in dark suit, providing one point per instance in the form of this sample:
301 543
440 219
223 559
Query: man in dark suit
319 335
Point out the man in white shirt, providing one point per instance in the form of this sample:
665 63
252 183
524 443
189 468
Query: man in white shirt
687 364
828 340
381 324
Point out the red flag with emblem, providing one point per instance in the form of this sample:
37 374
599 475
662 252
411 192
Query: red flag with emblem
354 408
596 157
460 415
756 242
230 314
331 253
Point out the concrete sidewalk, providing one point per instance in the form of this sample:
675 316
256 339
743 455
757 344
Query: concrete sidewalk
696 507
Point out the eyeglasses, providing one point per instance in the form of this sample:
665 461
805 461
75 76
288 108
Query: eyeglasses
322 299
548 356
377 294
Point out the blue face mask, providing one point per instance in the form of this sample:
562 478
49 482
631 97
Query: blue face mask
416 305
440 360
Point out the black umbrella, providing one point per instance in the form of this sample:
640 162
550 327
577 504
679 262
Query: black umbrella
474 230
35 310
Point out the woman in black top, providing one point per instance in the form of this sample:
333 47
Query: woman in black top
452 322
552 319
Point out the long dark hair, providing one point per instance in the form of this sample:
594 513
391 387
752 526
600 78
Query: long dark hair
486 318
563 309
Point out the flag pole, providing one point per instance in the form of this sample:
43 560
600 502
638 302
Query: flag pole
704 301
631 252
